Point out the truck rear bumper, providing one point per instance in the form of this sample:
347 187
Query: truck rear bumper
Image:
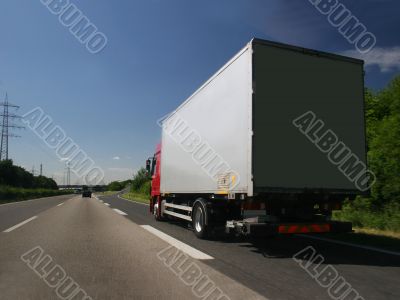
270 229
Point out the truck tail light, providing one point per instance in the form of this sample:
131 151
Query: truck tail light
308 228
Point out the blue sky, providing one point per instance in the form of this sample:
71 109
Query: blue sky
158 52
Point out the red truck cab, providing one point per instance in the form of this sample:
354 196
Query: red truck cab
153 166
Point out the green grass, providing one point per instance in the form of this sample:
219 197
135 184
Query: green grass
387 233
380 221
13 194
363 215
107 193
138 197
378 228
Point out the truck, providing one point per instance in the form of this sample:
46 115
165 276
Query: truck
271 144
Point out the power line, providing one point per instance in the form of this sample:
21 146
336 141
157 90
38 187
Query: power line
68 175
6 125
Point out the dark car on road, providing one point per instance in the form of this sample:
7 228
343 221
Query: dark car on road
87 193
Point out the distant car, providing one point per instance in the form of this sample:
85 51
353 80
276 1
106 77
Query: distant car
87 194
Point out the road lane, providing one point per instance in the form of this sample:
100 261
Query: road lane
20 224
120 212
177 244
16 212
109 256
266 265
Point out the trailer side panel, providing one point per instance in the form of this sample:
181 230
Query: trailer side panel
217 119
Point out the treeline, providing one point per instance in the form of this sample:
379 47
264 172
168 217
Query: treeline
18 184
118 185
141 183
382 209
140 187
14 176
11 194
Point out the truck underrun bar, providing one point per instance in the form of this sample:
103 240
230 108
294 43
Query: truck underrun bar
267 229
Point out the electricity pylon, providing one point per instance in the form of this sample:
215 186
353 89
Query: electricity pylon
6 125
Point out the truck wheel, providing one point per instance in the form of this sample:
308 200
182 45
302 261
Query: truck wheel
200 218
156 212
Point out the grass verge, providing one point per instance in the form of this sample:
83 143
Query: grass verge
363 214
12 194
107 193
136 197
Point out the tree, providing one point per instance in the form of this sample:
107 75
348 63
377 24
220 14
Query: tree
15 176
115 186
140 178
45 183
383 130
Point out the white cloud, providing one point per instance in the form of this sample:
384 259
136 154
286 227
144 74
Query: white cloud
387 59
116 158
120 169
113 174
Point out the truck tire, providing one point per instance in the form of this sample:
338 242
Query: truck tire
156 212
200 219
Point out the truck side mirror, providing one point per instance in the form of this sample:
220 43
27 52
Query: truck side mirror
148 166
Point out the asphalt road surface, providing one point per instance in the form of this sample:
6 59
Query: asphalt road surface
67 247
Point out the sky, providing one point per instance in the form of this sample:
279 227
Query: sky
157 53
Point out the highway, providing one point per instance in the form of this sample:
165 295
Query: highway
111 248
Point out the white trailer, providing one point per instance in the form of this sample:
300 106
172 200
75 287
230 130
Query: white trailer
264 133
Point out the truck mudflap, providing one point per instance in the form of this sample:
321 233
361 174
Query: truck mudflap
269 229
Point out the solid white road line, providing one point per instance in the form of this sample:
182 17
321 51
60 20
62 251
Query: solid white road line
20 224
60 204
107 204
120 212
177 244
349 244
132 200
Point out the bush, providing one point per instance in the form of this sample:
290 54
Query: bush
363 214
383 133
140 180
145 189
8 194
115 186
382 210
15 176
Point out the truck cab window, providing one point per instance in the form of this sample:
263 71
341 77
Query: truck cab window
153 166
